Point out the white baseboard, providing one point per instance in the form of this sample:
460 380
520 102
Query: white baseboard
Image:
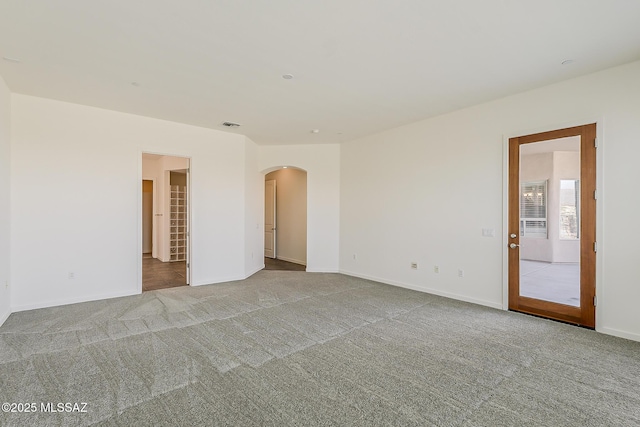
226 279
620 334
322 270
4 317
254 271
295 261
218 280
608 331
67 301
497 305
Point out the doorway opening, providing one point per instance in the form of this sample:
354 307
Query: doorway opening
285 225
165 222
551 225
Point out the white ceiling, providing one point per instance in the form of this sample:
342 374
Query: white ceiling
569 143
360 66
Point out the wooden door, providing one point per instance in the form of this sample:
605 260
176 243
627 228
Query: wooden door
545 220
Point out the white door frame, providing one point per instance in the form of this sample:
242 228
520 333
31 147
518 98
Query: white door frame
275 220
188 225
164 217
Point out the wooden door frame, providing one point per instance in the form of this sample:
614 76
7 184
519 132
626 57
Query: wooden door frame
599 132
583 315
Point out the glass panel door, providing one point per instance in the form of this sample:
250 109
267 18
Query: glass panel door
549 238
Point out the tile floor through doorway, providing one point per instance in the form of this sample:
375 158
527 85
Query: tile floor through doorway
161 275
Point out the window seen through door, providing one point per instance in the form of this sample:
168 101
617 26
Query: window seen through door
533 209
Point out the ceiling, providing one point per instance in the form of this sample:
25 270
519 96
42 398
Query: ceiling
359 66
569 143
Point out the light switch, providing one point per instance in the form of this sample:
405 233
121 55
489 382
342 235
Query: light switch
488 232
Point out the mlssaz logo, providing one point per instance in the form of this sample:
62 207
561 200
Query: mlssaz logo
79 407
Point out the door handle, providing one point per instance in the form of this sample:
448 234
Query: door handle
513 245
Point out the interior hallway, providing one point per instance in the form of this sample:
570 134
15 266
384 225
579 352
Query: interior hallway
161 275
278 264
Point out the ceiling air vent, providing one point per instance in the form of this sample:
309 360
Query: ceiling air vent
231 124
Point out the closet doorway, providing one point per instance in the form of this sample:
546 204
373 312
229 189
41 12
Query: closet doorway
165 222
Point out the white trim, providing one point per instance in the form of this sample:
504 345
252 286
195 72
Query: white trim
4 317
600 124
226 279
75 300
618 333
139 224
295 261
505 222
425 290
322 270
187 195
254 271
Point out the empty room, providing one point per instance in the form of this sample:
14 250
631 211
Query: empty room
454 183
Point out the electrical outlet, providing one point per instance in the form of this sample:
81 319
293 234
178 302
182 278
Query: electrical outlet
355 256
436 269
460 272
414 265
72 275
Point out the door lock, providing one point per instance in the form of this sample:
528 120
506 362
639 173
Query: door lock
513 245
513 235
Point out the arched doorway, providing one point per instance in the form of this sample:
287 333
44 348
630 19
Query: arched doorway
286 219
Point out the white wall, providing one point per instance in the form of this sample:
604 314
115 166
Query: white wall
291 214
322 164
406 194
76 200
5 179
254 213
